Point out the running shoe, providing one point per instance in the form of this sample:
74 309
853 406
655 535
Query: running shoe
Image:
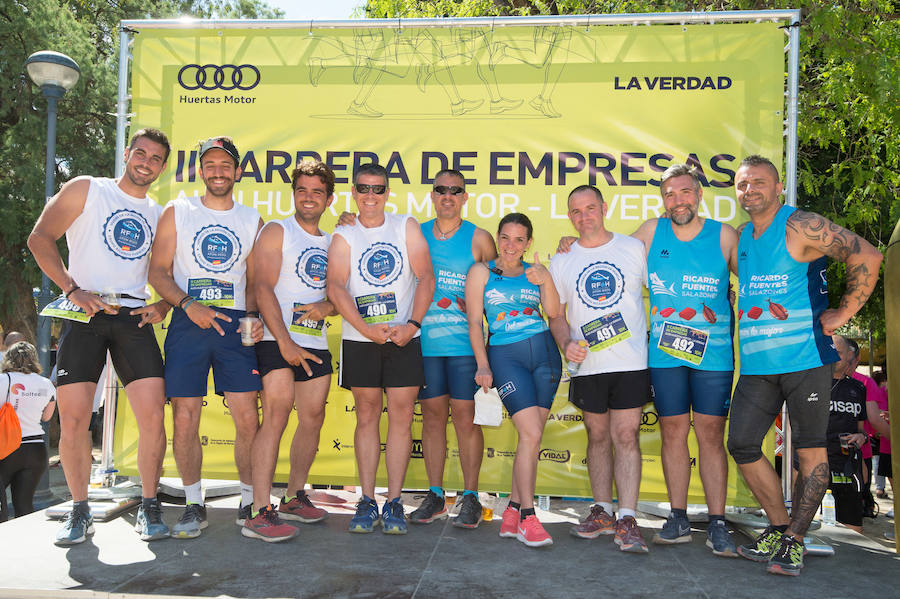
763 547
244 512
192 521
469 515
675 530
267 527
431 509
628 536
788 557
393 518
149 523
509 525
302 509
596 523
718 539
75 529
366 518
532 533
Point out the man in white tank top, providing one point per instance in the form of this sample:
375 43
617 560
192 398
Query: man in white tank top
109 226
381 281
291 258
202 264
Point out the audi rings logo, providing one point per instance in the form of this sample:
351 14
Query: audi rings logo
226 77
649 418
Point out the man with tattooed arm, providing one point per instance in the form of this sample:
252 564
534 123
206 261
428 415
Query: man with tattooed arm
786 350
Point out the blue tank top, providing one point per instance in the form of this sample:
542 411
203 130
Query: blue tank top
445 330
512 306
690 317
780 304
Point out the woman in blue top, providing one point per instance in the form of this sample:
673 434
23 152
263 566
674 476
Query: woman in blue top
520 360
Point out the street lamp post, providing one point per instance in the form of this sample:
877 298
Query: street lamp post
55 74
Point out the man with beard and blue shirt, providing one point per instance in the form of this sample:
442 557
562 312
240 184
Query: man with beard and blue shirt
690 355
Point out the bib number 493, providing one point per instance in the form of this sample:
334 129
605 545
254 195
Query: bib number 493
210 293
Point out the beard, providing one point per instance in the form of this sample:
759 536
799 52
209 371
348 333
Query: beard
685 218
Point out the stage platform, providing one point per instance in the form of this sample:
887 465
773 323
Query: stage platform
432 561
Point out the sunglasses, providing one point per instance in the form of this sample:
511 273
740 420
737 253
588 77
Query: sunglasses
365 188
454 191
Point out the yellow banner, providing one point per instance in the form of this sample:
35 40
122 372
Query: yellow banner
527 113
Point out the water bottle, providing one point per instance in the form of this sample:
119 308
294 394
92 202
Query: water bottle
544 503
828 517
573 367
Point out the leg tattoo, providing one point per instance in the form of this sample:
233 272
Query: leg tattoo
805 502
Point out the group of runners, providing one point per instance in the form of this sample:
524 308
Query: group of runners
414 299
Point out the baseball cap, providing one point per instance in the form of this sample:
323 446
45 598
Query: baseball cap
222 143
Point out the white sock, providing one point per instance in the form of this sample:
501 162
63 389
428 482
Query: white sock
626 512
193 493
246 494
607 507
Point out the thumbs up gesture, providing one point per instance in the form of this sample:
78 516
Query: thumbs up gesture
537 273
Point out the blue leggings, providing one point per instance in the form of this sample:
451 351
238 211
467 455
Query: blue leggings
526 373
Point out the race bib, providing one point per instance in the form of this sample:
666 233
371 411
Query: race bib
683 342
63 308
378 307
605 331
305 326
212 292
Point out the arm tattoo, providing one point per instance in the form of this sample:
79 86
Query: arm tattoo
859 286
832 240
808 494
840 244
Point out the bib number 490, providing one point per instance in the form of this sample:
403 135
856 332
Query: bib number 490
376 310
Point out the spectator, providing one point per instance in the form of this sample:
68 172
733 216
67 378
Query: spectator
33 398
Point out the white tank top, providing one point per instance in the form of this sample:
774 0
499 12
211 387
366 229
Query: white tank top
304 262
211 251
109 243
381 281
602 289
29 394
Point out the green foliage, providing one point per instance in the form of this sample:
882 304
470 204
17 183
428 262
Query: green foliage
87 31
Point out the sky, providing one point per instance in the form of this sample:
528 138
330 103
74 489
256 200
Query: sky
316 9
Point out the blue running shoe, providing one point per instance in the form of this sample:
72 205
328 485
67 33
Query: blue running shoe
75 529
149 523
718 539
675 530
393 519
366 518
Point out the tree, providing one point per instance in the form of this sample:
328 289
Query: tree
849 123
88 31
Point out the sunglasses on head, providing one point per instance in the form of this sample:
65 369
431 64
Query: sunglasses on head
454 191
365 188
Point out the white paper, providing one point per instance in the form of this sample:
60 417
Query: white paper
488 407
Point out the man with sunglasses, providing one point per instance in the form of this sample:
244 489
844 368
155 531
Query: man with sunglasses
381 282
455 245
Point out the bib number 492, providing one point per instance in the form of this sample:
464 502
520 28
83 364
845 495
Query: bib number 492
682 344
